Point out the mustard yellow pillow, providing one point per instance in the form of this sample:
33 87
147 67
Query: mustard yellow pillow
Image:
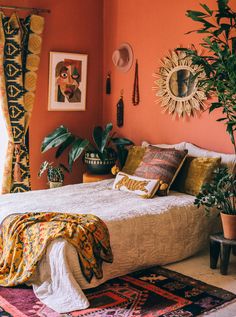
135 156
194 173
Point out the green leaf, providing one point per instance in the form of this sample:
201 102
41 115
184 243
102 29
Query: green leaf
105 135
221 119
77 149
56 138
121 141
97 137
197 13
208 10
44 166
65 145
122 153
207 40
101 136
214 106
222 5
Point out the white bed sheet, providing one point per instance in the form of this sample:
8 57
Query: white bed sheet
143 232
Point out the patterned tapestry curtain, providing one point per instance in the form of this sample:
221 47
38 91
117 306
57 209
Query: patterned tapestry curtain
20 46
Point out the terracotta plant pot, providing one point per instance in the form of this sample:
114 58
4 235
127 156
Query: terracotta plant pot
55 184
229 226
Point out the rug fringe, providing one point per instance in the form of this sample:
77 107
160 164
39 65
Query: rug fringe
218 308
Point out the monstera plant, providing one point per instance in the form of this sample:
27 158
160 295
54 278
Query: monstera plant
100 155
219 64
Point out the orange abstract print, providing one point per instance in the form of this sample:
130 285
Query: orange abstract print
68 78
25 237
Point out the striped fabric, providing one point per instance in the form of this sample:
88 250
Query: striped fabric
161 164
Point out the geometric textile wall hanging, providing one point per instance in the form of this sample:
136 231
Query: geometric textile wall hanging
175 85
20 47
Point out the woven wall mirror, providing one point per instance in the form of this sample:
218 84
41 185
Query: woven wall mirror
176 88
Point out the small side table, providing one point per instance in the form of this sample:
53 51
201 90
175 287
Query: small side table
89 178
221 246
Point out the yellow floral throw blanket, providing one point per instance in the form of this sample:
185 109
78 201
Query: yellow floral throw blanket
25 237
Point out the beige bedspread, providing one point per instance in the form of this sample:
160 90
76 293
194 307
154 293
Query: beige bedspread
143 232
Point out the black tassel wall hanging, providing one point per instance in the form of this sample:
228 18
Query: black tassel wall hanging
120 110
108 84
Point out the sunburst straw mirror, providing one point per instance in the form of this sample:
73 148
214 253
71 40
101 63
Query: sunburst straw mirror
176 88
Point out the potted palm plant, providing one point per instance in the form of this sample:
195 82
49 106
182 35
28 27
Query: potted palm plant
55 174
219 65
100 156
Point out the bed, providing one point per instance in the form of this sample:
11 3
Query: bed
143 232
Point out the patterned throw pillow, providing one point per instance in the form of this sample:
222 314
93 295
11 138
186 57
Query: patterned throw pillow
194 173
137 185
135 156
161 164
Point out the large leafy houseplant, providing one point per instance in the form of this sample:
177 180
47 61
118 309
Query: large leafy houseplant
105 144
219 61
219 64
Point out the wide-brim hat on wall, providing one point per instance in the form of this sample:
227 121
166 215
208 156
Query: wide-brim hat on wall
123 57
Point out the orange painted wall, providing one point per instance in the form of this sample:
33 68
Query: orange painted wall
72 26
153 27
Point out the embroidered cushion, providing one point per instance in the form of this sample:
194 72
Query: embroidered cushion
161 164
194 173
137 185
133 160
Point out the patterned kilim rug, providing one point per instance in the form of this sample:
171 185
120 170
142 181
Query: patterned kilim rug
155 292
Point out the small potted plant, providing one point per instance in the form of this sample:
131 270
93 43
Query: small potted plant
55 174
220 193
100 156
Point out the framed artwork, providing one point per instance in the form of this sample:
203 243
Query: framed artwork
67 81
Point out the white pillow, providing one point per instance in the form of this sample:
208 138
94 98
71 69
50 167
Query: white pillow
137 185
226 159
177 146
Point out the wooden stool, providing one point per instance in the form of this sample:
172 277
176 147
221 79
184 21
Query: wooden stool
221 246
89 178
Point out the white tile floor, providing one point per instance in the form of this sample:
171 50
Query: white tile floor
198 268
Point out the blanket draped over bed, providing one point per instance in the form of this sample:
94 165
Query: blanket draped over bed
24 239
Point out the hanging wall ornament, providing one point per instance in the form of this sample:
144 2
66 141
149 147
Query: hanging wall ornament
120 111
135 96
122 57
177 86
108 84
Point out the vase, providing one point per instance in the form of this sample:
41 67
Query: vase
55 184
229 226
96 166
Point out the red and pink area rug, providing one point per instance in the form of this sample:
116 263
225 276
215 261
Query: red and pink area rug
155 292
